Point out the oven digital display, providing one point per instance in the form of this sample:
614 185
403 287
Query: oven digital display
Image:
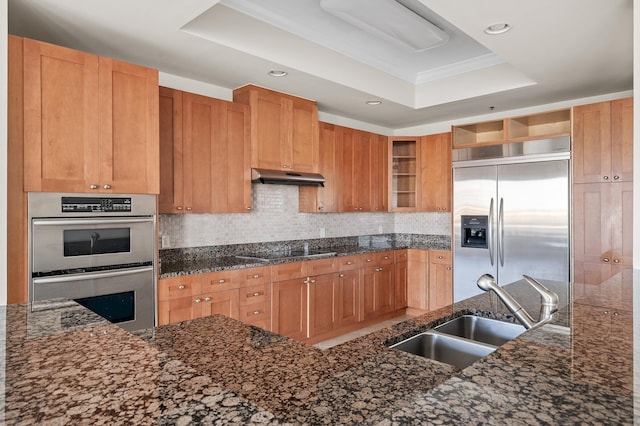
87 242
96 205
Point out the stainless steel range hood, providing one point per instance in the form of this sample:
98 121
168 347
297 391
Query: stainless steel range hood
280 177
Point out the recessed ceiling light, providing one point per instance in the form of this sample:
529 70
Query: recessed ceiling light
373 102
277 73
497 29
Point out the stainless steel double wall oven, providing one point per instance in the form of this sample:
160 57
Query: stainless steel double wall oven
98 250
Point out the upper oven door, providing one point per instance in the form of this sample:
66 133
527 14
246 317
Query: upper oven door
76 243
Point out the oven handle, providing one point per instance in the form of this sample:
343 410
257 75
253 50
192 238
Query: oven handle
90 275
102 221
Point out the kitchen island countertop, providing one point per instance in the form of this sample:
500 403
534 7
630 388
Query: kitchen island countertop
65 365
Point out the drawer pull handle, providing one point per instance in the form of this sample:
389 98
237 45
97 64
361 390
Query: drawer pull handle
93 186
341 275
221 281
616 177
605 177
189 209
256 312
616 260
605 260
349 263
181 287
256 276
386 258
440 257
179 208
207 299
448 268
106 186
198 300
256 294
369 260
248 208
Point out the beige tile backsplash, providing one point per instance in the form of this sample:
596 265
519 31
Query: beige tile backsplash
275 217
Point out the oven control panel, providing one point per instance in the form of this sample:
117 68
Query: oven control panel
96 205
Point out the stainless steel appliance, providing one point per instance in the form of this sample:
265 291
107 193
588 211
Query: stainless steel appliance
510 213
98 250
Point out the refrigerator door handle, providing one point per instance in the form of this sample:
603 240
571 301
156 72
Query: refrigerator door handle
501 232
490 232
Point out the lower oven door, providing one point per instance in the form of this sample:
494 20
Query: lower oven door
124 297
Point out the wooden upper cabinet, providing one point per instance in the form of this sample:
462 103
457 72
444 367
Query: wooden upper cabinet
314 199
379 156
91 123
284 130
603 142
435 173
403 174
204 154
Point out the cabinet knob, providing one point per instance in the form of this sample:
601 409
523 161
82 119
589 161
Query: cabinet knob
386 258
341 275
448 268
207 299
256 294
615 314
198 300
349 263
379 269
605 177
248 208
221 281
189 209
440 257
256 276
93 186
616 177
179 208
256 312
606 312
107 186
286 166
369 260
616 260
320 207
605 259
181 287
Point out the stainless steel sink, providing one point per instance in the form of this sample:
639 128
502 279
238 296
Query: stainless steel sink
482 329
449 349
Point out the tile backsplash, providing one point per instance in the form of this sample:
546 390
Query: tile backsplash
275 217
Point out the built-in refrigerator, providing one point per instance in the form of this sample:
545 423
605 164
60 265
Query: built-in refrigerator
510 213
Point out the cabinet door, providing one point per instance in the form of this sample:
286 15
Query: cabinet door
379 161
270 143
591 149
621 214
313 199
440 280
401 280
435 173
377 291
232 171
289 308
170 199
348 302
346 167
128 120
225 303
177 310
418 280
304 138
386 290
622 140
362 171
322 303
60 119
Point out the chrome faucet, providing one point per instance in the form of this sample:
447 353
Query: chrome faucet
548 300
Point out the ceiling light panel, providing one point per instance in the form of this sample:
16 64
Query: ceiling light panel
388 20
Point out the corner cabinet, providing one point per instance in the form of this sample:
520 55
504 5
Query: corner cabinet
90 123
284 130
204 160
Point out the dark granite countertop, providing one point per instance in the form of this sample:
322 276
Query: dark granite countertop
64 365
202 260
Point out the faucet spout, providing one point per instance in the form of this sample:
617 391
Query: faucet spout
487 283
548 299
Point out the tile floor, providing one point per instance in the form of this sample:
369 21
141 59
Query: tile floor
361 332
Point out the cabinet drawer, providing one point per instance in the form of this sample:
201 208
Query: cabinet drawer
322 266
380 258
220 281
348 263
288 271
419 256
253 276
178 287
256 314
260 293
438 256
402 255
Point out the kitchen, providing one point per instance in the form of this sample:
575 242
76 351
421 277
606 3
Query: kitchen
328 225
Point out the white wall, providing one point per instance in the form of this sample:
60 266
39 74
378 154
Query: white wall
3 151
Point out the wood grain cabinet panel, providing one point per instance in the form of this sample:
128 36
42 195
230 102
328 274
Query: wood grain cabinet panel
323 297
435 173
221 302
204 154
289 308
377 289
324 199
284 130
440 279
348 300
400 284
90 123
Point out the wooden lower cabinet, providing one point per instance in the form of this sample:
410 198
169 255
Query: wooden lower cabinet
377 291
176 310
289 308
225 303
348 300
400 284
323 295
440 279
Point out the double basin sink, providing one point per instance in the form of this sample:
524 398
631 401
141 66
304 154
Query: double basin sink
461 341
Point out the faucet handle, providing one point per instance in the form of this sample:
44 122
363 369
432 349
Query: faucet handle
547 297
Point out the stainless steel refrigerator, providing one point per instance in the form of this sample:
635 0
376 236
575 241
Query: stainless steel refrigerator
510 213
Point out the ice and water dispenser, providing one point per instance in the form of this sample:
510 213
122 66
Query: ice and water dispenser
474 231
